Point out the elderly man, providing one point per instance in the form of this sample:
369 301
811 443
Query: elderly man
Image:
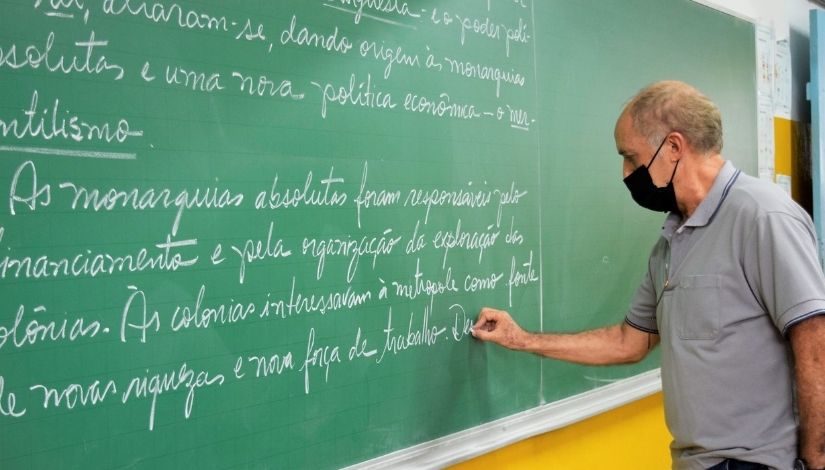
733 291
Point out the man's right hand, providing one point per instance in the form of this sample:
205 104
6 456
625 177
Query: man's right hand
498 326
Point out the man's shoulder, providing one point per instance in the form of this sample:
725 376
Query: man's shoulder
753 197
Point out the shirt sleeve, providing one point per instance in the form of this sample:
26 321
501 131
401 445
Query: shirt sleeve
642 312
782 267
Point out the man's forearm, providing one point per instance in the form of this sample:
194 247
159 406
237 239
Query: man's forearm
618 344
807 339
812 424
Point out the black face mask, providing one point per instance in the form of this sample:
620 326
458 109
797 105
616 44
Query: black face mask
647 194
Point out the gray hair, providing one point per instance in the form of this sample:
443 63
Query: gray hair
673 106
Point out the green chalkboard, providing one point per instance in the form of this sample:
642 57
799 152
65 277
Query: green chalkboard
254 234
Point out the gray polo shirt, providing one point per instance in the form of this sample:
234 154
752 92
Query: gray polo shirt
721 290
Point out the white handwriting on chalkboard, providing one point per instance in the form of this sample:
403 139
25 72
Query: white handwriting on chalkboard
251 34
425 286
441 106
422 335
9 407
38 196
328 196
263 86
359 348
89 263
389 55
94 264
34 330
274 364
74 394
321 357
331 42
108 199
520 118
201 316
462 324
90 63
486 27
485 72
445 198
370 198
367 70
165 13
508 197
153 386
320 248
448 239
520 278
391 7
145 72
417 241
147 323
514 237
441 17
52 122
193 80
473 283
432 62
300 303
360 93
57 5
257 250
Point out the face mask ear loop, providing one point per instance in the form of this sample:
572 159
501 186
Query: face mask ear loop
657 153
674 171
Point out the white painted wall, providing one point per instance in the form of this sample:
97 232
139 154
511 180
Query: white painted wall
781 14
789 19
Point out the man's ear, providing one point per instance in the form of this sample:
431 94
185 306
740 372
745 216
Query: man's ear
676 145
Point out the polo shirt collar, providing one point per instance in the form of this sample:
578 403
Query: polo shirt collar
709 206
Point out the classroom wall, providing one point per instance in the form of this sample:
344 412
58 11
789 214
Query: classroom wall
789 20
634 436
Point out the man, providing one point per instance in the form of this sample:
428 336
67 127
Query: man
734 292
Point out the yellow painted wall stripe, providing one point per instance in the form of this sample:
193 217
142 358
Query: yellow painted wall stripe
633 437
783 148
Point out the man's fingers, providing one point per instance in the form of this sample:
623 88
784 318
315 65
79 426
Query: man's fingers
485 332
489 315
484 316
488 320
484 326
